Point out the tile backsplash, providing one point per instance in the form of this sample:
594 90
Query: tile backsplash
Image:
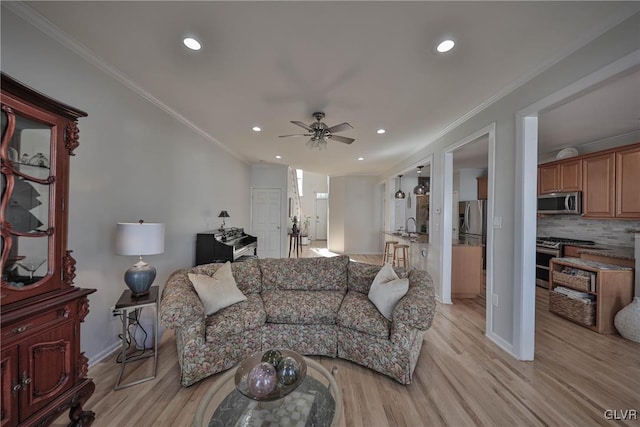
603 232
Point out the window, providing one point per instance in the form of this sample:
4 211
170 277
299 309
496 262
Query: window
299 174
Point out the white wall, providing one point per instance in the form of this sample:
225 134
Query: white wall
467 183
134 161
336 218
355 215
609 47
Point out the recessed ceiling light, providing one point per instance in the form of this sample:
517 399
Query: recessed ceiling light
380 131
445 46
256 128
192 43
278 157
360 158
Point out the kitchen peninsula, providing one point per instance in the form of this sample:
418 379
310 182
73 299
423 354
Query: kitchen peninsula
418 246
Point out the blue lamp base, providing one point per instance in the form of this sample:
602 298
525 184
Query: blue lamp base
139 278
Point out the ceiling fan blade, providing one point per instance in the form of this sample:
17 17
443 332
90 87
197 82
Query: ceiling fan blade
297 134
302 125
340 127
341 139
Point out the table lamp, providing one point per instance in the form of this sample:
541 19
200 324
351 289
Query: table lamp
139 238
223 215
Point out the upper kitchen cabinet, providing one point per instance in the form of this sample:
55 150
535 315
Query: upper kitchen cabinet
610 183
598 198
483 192
627 179
560 177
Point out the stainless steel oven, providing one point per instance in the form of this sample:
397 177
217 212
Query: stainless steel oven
552 247
543 256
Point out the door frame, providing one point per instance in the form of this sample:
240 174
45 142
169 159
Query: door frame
526 198
447 233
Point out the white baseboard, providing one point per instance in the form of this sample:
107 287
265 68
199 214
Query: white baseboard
104 354
500 342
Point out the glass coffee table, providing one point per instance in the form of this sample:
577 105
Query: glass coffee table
316 402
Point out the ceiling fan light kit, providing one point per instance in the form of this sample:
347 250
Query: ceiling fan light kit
319 132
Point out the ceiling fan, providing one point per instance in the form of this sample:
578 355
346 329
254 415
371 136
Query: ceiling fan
320 132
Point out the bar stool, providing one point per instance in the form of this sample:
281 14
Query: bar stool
387 251
401 254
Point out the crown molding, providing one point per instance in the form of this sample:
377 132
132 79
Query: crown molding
50 29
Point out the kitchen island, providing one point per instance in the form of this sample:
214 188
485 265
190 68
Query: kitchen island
418 246
466 269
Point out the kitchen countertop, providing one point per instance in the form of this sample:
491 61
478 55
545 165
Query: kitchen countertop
466 243
619 252
577 262
413 238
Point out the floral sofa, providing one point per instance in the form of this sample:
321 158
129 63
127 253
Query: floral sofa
315 306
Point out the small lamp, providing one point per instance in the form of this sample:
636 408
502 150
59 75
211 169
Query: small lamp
141 238
223 215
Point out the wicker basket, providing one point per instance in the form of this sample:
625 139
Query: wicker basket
582 283
579 311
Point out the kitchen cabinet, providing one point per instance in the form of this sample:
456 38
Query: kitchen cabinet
43 370
598 197
466 271
483 191
560 177
627 181
610 287
611 184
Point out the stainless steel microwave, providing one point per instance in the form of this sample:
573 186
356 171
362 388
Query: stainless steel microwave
560 203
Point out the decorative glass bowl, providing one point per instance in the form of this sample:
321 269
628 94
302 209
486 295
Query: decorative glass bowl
266 377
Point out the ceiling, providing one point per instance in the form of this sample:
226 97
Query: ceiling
372 64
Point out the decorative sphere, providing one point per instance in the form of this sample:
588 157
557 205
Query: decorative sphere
262 379
272 356
288 371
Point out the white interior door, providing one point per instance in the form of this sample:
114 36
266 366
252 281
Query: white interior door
321 219
266 206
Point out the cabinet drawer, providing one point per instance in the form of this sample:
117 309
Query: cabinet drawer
39 321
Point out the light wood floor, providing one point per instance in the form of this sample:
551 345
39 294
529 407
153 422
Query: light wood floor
461 379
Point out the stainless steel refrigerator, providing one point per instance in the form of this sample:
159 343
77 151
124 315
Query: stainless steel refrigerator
473 223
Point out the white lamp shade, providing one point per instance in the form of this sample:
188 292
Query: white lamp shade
135 238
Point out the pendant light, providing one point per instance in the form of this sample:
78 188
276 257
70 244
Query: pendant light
420 189
400 194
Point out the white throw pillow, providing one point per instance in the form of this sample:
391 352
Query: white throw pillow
386 290
218 291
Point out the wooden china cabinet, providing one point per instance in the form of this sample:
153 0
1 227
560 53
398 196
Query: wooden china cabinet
43 371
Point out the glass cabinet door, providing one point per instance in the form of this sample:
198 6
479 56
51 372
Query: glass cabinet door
27 197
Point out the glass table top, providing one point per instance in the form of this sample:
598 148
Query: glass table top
316 402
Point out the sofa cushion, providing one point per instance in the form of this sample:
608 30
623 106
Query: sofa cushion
237 318
360 275
357 312
387 289
247 274
302 307
313 274
218 291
